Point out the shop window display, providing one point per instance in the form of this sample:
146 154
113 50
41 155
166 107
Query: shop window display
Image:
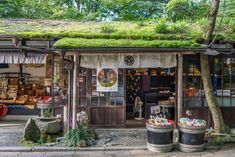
223 76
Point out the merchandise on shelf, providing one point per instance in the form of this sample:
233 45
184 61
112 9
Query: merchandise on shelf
192 122
45 100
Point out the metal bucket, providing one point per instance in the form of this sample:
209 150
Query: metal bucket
159 138
191 138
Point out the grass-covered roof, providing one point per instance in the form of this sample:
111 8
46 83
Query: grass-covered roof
112 34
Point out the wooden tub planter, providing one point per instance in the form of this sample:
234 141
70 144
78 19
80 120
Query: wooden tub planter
191 138
159 137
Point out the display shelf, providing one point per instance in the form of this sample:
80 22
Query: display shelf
14 75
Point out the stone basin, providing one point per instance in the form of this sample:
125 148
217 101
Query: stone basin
43 106
48 125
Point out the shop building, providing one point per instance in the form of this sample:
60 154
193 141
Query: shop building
105 76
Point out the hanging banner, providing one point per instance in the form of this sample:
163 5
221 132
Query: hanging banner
107 80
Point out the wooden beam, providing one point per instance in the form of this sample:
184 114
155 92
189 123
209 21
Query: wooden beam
180 86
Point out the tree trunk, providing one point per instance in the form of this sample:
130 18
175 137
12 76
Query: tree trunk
78 3
219 124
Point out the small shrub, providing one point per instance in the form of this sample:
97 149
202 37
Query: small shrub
141 23
161 27
179 27
107 29
80 137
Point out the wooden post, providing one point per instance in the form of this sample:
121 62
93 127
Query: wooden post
180 86
67 107
65 118
52 85
74 104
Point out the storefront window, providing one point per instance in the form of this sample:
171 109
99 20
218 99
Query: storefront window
193 93
88 87
223 79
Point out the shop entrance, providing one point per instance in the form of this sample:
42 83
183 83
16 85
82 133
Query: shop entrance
155 87
109 86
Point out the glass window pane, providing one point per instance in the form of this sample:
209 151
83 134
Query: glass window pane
112 101
116 101
82 86
119 93
94 101
103 101
120 78
119 101
82 101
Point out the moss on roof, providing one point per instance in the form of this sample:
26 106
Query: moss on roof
113 34
84 43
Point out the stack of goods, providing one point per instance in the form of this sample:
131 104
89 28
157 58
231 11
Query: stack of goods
3 88
155 120
192 122
21 99
45 100
12 91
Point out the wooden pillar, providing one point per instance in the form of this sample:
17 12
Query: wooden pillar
52 85
74 103
180 86
67 107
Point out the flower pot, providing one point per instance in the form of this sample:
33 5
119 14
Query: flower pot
159 138
191 138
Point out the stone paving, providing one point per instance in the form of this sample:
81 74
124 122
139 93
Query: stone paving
121 137
227 151
11 133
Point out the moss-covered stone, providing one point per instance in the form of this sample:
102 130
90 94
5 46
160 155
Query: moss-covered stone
31 131
45 138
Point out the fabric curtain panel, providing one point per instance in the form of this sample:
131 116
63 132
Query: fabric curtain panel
22 58
129 60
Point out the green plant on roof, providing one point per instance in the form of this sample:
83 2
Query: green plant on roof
84 43
107 28
164 26
178 27
161 27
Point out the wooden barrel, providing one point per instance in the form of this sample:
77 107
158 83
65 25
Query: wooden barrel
159 138
191 138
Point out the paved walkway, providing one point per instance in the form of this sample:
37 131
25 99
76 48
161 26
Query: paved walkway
12 132
227 151
111 143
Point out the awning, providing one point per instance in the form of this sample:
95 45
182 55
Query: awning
22 58
129 60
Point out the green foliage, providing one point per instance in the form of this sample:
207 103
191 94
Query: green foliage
77 137
187 9
30 143
83 43
83 9
172 28
45 138
39 9
131 9
107 28
161 27
47 113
